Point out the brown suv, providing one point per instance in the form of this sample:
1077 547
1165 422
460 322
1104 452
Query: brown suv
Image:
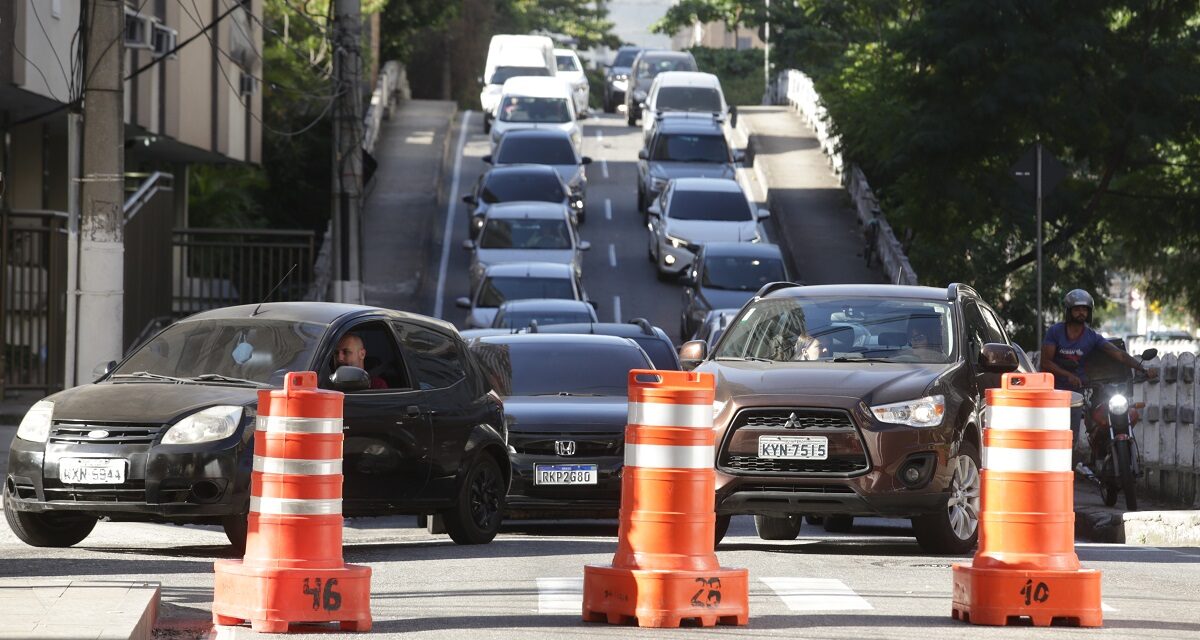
855 400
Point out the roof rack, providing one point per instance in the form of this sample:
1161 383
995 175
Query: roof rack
647 328
772 287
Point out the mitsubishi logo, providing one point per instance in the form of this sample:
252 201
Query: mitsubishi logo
97 434
792 422
564 447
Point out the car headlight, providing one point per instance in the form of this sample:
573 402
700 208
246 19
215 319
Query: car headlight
922 412
1118 404
678 243
35 426
756 238
213 423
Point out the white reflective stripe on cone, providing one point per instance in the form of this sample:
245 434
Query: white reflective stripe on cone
1005 459
295 506
284 424
1040 418
655 414
293 466
661 456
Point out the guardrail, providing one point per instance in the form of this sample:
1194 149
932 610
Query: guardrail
796 89
1168 436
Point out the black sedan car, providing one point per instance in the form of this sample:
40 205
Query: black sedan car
517 183
653 340
167 434
565 402
726 275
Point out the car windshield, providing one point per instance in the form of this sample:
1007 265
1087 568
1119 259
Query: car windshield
688 99
559 367
502 233
662 354
541 186
496 290
648 68
625 58
526 109
566 63
255 350
523 318
842 329
540 150
741 273
501 74
728 206
680 147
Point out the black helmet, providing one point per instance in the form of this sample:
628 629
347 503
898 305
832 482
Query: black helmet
1078 298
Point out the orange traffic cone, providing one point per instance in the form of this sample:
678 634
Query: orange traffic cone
293 569
1026 567
665 570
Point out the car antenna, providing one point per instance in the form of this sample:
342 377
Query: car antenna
900 274
272 291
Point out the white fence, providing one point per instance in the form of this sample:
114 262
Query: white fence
1168 434
796 89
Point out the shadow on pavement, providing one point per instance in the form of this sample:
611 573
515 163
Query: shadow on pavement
51 567
446 549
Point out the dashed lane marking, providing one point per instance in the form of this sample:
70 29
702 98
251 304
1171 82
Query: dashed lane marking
607 209
816 594
617 309
612 255
604 167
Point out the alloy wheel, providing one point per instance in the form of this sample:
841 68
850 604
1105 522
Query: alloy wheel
963 505
485 498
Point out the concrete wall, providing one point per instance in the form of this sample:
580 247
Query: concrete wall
51 51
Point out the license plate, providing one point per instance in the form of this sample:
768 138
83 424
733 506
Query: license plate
564 474
793 447
91 470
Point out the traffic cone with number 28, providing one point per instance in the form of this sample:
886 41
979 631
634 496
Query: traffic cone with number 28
1026 567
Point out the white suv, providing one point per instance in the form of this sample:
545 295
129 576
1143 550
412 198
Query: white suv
694 211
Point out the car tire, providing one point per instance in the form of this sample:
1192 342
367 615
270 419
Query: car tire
721 528
51 529
236 528
778 528
487 123
476 516
955 528
631 117
838 524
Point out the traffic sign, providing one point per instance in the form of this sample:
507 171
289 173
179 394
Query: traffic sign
1025 171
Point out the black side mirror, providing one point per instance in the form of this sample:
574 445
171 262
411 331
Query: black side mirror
348 379
103 369
692 353
462 303
1149 354
643 154
739 157
733 116
585 160
488 158
998 358
470 199
469 245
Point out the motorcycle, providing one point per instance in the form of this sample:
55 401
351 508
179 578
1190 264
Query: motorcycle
1109 421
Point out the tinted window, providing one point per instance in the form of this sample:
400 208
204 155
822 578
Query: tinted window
978 331
500 233
501 74
525 109
651 66
741 273
541 186
496 290
524 318
566 63
661 353
258 350
730 206
551 368
371 346
688 99
520 150
434 357
625 58
686 147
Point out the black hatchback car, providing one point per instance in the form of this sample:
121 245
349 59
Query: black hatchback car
566 405
167 434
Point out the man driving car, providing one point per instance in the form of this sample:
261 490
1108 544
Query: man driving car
352 353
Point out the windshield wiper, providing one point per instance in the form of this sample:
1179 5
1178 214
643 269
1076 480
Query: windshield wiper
216 377
845 359
750 358
152 376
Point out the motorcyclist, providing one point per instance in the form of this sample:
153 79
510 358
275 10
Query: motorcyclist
1068 344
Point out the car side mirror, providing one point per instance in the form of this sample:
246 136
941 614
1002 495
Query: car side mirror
642 106
643 154
462 303
692 353
470 199
479 79
468 245
763 214
739 156
584 245
488 158
1149 354
998 358
733 116
347 379
103 369
654 210
582 115
585 160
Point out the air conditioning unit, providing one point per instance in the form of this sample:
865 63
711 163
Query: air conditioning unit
164 40
247 84
139 30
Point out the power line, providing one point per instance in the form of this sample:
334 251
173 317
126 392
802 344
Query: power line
54 50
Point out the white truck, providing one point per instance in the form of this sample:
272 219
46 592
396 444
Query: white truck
510 56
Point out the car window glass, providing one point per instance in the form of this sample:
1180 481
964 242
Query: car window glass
976 330
661 353
435 357
625 58
501 74
713 206
540 150
502 233
552 367
740 273
511 186
688 99
995 331
526 109
566 63
371 346
681 147
507 319
496 290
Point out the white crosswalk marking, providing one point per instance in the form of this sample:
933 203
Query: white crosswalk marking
816 594
1108 608
560 595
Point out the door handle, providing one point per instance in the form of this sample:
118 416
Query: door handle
412 411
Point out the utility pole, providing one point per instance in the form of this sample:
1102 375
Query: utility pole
101 262
347 151
766 99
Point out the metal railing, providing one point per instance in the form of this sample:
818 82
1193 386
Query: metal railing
33 248
224 267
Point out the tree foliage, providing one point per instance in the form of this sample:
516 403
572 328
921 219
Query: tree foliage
937 100
585 22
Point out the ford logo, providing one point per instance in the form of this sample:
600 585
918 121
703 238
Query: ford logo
97 434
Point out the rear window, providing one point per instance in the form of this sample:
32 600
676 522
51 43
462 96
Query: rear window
556 368
625 58
680 147
651 67
495 291
526 317
728 206
526 109
688 99
541 186
501 233
566 63
741 273
501 74
662 354
520 150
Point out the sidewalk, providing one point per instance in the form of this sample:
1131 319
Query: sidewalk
1156 524
47 608
810 210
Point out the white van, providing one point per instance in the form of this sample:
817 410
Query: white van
570 69
536 103
512 56
685 94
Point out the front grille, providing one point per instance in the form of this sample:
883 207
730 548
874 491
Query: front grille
585 444
753 464
118 433
130 491
739 448
793 419
796 488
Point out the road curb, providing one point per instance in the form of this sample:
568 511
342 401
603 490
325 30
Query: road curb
47 608
447 162
1145 528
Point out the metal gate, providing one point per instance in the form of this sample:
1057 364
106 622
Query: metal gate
33 252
